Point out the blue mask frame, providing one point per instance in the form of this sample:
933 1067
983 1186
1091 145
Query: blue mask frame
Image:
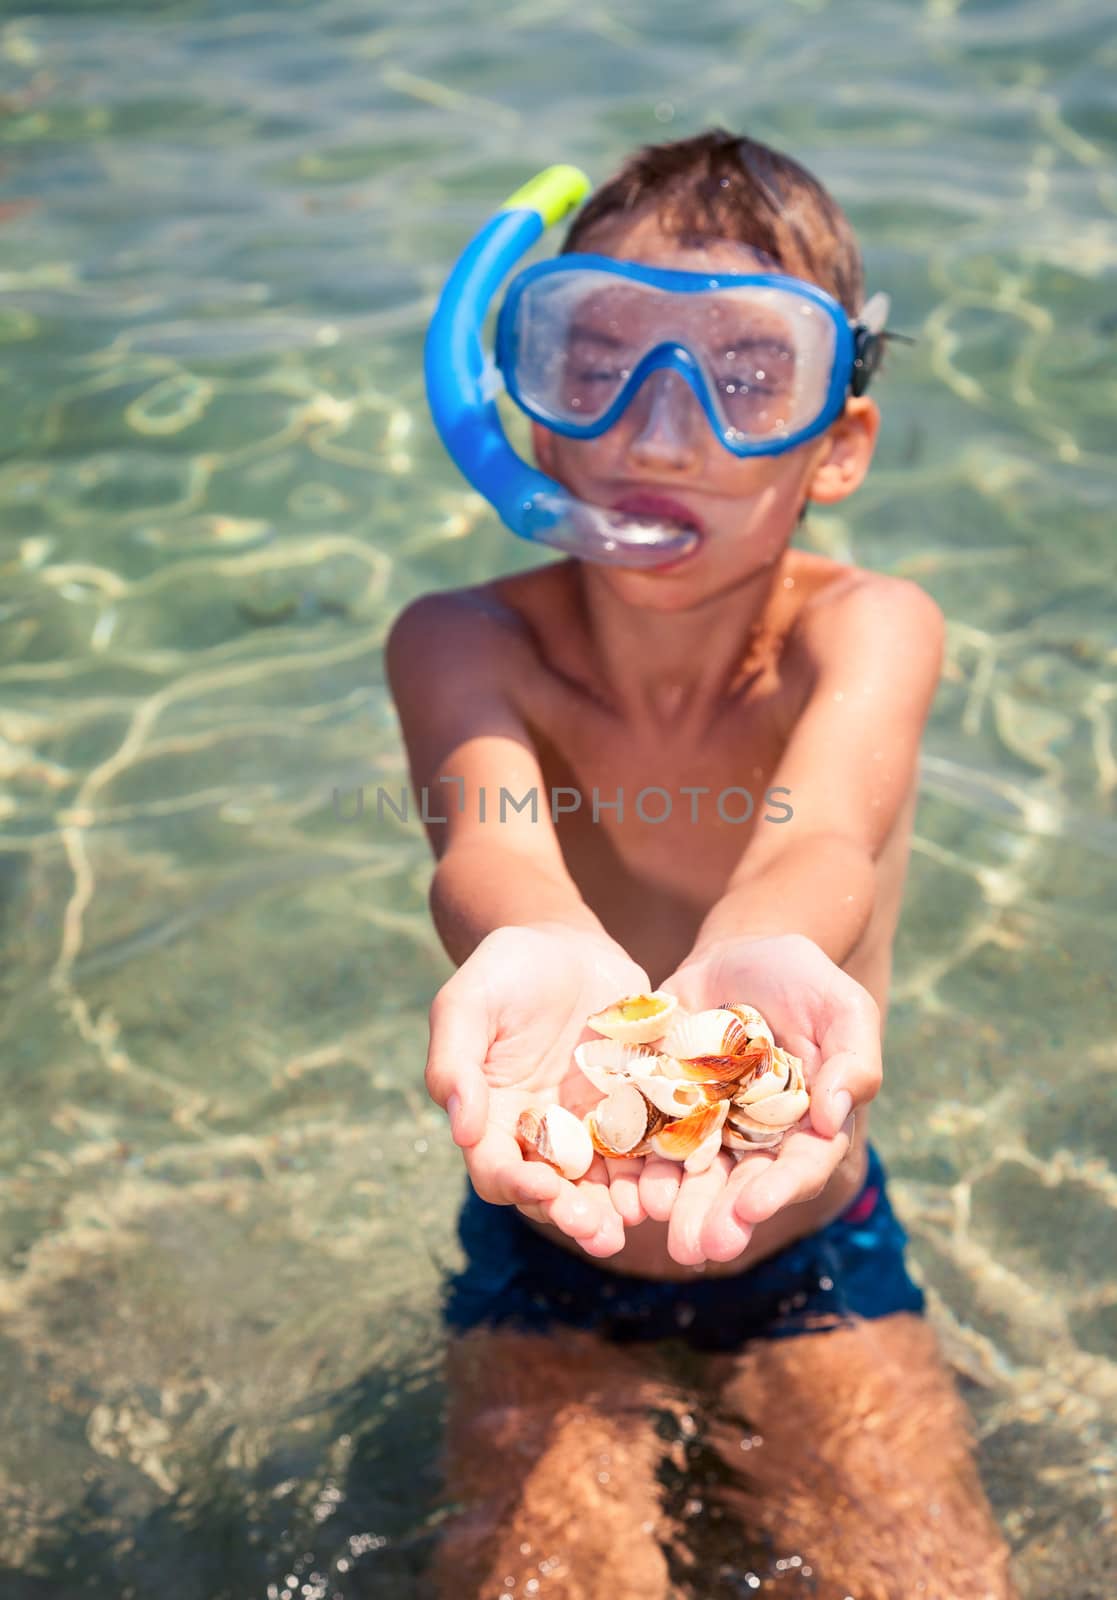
676 357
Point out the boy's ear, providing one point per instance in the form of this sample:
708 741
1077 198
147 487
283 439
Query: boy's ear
846 450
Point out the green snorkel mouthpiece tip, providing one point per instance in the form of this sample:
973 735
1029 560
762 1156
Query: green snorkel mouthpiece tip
552 193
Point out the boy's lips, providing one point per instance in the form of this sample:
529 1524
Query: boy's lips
643 503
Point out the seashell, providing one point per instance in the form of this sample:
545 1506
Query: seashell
770 1076
750 1019
752 1131
704 1033
620 1125
734 1139
727 1069
736 1056
780 1110
675 1097
605 1061
694 1140
637 1019
558 1137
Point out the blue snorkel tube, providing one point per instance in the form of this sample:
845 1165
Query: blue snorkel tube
461 386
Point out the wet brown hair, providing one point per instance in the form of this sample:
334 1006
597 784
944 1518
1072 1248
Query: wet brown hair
718 185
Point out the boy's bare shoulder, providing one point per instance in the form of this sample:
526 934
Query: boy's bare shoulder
491 621
849 614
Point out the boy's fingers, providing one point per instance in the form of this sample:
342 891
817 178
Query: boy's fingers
851 1072
697 1193
500 1174
846 1080
724 1235
455 1079
580 1213
608 1239
801 1171
659 1185
581 1209
611 1224
624 1190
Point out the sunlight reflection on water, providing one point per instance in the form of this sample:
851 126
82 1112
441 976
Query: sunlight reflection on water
227 1205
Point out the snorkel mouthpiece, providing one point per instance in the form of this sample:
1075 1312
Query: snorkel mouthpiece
595 534
462 384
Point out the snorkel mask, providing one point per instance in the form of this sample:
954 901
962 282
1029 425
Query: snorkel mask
769 358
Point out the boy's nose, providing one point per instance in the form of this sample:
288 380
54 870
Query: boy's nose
667 423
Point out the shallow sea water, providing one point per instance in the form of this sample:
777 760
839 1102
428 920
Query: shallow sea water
225 1204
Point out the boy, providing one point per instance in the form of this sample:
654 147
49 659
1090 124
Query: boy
742 667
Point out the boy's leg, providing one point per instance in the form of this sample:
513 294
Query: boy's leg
859 1464
552 1456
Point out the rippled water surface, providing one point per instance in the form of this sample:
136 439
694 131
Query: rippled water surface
226 1206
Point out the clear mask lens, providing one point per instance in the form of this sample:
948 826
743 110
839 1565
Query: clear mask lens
764 354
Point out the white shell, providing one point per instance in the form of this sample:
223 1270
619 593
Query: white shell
677 1097
774 1080
559 1137
780 1110
734 1140
605 1062
702 1033
638 1029
754 1024
750 1128
618 1125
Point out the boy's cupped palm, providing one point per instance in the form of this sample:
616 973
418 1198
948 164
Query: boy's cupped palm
503 1031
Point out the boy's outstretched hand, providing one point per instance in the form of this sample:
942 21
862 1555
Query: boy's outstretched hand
503 1031
820 1014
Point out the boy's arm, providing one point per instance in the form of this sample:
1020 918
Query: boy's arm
453 662
875 655
533 961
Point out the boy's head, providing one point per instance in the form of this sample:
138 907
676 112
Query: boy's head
714 203
719 186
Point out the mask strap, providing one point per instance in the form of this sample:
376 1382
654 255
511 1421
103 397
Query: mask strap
867 346
869 334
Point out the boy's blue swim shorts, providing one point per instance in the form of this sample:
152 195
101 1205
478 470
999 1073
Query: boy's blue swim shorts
852 1268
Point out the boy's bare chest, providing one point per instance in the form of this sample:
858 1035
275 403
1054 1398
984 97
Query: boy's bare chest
652 828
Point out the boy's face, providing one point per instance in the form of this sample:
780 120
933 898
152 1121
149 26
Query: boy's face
661 457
